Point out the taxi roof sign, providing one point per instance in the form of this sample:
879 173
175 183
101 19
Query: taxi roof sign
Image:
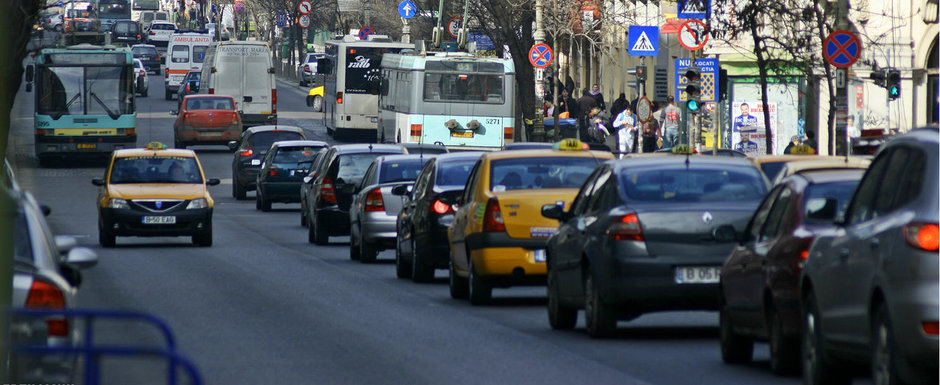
156 146
683 149
570 144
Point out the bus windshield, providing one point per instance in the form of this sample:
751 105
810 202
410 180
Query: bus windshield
466 87
146 5
85 91
114 9
363 69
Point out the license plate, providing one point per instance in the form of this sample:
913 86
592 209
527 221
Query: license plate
298 172
539 255
82 146
459 134
698 274
158 220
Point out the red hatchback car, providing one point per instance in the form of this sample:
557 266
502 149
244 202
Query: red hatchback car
206 119
760 297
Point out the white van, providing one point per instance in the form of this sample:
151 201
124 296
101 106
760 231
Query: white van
185 52
245 71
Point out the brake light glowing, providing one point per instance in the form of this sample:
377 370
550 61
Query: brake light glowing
441 208
931 328
416 132
273 100
924 236
626 228
327 191
272 172
374 201
339 98
493 217
246 152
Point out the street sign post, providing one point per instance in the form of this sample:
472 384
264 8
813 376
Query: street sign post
693 35
644 109
842 48
304 21
364 32
238 6
694 9
453 27
407 9
643 40
709 79
540 55
304 7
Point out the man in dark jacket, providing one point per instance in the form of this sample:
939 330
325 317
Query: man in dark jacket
619 105
585 103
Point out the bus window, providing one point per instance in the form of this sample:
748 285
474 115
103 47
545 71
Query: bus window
440 87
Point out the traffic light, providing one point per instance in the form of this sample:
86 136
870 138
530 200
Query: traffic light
893 84
879 76
722 84
693 88
641 73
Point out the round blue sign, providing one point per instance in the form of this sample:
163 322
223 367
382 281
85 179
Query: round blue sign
842 49
407 9
364 32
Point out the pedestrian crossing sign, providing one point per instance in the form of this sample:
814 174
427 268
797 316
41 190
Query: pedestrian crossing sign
643 40
694 9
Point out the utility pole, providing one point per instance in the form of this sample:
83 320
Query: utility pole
842 94
538 130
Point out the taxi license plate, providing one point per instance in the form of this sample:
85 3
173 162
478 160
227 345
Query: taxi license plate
539 255
158 220
464 134
82 146
697 274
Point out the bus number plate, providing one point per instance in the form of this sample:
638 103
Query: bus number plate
463 134
82 146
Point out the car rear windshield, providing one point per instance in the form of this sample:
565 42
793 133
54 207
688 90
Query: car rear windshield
164 27
261 141
125 27
145 51
295 154
823 202
352 167
454 174
540 172
682 184
155 169
405 170
210 104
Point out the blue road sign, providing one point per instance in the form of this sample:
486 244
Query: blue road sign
710 70
842 48
643 41
364 32
540 55
483 42
281 19
407 9
694 9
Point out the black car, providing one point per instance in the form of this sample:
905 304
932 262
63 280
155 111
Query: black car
427 212
647 234
148 55
126 32
283 170
189 86
251 149
332 190
307 182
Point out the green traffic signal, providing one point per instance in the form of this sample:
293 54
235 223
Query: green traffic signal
693 105
893 84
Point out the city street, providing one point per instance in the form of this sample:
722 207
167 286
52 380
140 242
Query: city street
262 305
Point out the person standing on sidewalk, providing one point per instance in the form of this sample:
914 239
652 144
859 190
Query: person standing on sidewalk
599 97
669 117
625 124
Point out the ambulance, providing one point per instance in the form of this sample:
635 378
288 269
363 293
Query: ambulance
185 52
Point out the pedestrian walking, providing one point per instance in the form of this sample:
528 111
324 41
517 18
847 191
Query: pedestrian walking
670 116
585 103
651 135
625 124
619 104
598 96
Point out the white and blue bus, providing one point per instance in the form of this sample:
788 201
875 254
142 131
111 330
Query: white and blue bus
351 88
458 99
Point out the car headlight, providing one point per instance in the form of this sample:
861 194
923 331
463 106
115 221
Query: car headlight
200 203
117 203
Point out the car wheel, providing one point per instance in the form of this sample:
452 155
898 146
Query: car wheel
240 191
458 284
598 315
402 269
884 365
260 202
318 103
817 370
420 271
168 95
367 251
735 349
353 247
480 292
560 317
105 237
203 240
784 350
320 236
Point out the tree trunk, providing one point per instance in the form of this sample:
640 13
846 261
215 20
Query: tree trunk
831 116
762 70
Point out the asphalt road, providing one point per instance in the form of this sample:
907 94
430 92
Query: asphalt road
264 306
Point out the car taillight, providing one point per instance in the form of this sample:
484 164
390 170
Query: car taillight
507 134
493 217
246 152
142 73
273 100
415 133
931 328
441 208
186 115
47 296
212 90
138 36
339 98
234 115
327 191
374 201
306 67
924 236
272 172
625 228
187 88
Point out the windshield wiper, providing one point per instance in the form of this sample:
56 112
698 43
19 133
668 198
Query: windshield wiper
67 105
108 110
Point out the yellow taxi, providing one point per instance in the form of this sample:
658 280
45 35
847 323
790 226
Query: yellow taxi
315 98
154 191
498 234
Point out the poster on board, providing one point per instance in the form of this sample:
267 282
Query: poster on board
748 133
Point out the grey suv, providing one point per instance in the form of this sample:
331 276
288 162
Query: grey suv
869 290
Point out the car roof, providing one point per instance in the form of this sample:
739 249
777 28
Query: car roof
399 157
526 145
827 163
678 159
257 129
206 96
782 158
300 143
921 135
144 46
123 153
461 155
543 153
364 147
830 175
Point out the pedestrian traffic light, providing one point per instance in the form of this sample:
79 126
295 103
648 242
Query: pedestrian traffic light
722 84
693 88
893 84
641 73
879 76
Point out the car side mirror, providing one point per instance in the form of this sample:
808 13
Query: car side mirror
97 182
81 257
553 211
46 210
232 145
64 243
726 233
213 181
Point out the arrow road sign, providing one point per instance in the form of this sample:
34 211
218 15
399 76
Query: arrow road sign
643 41
304 7
694 9
540 55
842 48
407 9
693 35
